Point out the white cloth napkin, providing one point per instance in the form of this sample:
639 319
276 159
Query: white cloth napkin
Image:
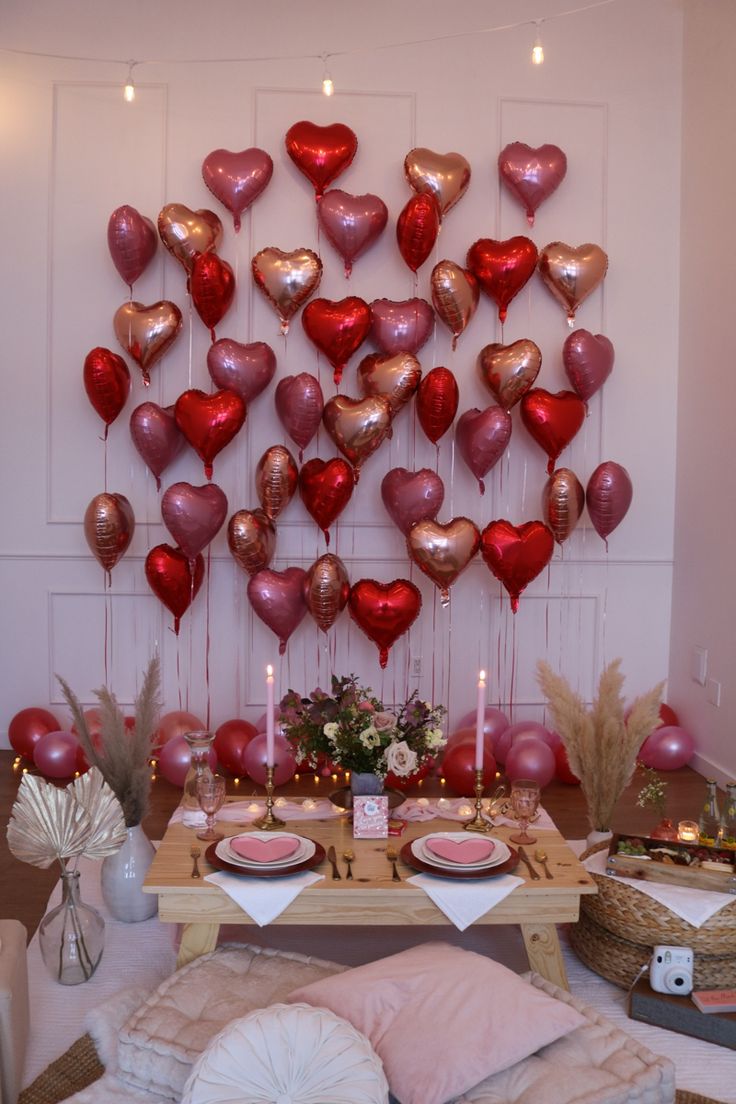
464 901
694 906
263 898
427 808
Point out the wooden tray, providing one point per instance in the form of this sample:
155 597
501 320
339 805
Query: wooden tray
652 870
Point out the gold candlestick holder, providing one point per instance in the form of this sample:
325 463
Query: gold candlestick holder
478 824
268 821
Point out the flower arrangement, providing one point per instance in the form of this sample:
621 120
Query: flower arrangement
653 793
352 729
602 742
122 757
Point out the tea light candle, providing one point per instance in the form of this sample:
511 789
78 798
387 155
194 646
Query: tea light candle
269 717
423 801
443 803
308 804
280 802
687 831
254 807
479 721
465 810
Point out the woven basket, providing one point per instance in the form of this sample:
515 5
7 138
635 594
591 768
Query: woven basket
620 960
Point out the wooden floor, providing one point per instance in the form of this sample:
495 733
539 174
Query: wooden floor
24 889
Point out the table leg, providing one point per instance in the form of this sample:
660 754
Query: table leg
196 940
544 952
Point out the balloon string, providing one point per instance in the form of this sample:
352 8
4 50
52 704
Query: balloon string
178 671
207 636
104 465
513 666
189 664
107 599
498 656
434 637
449 657
191 343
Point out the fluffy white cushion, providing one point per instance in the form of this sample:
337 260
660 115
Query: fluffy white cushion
288 1054
442 1019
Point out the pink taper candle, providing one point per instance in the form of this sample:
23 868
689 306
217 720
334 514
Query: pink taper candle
480 720
269 717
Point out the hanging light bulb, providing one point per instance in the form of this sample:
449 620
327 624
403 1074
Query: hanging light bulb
538 48
129 90
328 88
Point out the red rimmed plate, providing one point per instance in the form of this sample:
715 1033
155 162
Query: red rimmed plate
258 871
415 863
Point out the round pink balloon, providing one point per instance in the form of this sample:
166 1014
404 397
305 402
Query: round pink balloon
246 369
352 223
231 740
401 327
55 754
531 758
174 724
494 723
254 759
175 758
668 748
260 724
156 436
27 727
608 497
466 735
412 496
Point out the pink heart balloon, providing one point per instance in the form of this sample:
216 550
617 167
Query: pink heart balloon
156 436
247 369
531 174
277 597
299 405
482 436
588 360
401 327
132 241
410 496
237 179
193 515
351 223
608 497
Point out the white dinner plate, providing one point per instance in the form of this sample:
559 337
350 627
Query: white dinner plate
304 851
499 854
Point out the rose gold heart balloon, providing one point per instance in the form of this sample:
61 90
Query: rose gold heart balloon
508 371
571 274
186 233
251 538
147 332
455 295
357 426
443 551
326 590
397 377
444 175
286 279
276 479
108 528
563 499
531 173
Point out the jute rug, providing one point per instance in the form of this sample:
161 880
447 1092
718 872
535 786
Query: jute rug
79 1067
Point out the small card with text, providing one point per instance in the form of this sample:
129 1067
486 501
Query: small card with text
370 817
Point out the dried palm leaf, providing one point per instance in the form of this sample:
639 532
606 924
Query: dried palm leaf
107 823
46 823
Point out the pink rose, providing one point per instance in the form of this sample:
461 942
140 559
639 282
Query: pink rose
366 707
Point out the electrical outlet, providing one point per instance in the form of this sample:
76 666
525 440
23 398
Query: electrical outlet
713 692
416 667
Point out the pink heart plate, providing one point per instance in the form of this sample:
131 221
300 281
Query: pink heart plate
464 851
423 861
258 861
265 848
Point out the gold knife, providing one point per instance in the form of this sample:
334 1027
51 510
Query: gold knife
533 874
332 856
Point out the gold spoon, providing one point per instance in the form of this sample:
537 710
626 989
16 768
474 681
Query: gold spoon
348 856
541 856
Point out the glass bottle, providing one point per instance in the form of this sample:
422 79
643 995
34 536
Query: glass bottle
200 744
728 820
72 935
709 824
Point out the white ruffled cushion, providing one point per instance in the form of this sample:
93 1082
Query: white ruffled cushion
288 1054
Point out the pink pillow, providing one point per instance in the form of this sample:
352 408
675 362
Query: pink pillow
442 1019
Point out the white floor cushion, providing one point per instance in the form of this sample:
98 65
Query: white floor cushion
288 1054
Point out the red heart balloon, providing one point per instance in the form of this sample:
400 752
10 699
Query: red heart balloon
417 228
212 287
321 152
237 179
438 396
209 422
502 268
384 611
174 579
326 488
338 329
552 420
516 554
107 383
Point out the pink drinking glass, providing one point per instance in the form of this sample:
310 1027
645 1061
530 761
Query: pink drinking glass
211 796
524 802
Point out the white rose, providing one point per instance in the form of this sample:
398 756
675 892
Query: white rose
385 721
369 737
330 730
400 759
435 737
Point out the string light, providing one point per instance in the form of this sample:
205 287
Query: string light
328 88
129 90
538 48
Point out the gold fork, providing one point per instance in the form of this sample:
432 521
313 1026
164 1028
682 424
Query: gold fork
348 856
194 854
392 855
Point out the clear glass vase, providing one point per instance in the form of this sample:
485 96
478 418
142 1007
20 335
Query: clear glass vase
71 936
200 744
365 783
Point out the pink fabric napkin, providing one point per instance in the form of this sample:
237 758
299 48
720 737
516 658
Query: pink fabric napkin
447 807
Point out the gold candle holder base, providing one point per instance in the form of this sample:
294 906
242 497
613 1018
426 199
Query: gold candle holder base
269 822
478 823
